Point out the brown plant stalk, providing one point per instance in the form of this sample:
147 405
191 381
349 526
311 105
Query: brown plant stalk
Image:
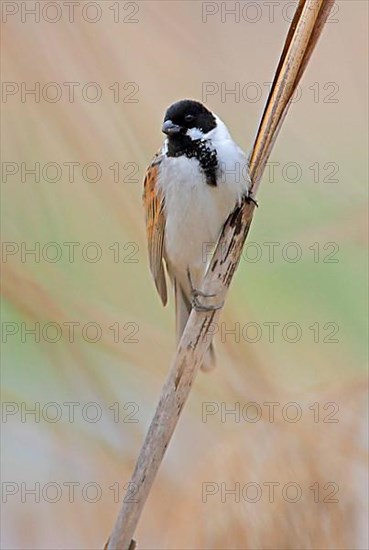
302 37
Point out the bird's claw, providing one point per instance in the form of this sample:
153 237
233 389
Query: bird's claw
196 293
197 306
250 198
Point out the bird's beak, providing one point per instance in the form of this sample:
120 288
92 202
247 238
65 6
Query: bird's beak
169 128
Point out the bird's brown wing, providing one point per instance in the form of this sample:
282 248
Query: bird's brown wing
155 226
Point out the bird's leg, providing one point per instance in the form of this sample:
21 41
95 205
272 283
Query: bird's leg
196 293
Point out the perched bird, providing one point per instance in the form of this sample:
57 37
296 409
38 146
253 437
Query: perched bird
191 186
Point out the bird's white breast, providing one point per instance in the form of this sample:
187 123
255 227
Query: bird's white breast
196 211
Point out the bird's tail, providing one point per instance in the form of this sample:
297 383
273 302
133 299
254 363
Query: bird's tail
183 310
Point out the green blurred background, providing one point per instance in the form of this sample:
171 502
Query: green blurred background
176 50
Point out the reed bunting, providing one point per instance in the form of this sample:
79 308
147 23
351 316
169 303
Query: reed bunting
191 187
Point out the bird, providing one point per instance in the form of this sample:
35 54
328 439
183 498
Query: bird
191 186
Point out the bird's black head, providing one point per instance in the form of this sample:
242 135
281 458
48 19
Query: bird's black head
186 115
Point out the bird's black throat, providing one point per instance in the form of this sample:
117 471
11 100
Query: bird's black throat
182 145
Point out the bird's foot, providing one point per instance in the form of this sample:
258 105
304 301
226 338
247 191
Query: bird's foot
197 306
250 198
196 294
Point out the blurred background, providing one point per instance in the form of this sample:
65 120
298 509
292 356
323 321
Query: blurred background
86 344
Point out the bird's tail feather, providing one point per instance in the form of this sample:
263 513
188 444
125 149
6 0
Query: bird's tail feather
183 310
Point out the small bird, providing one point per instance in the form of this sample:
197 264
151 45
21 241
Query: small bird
191 187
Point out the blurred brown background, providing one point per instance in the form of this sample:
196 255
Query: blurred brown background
103 74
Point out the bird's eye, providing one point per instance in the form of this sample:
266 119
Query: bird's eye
189 118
